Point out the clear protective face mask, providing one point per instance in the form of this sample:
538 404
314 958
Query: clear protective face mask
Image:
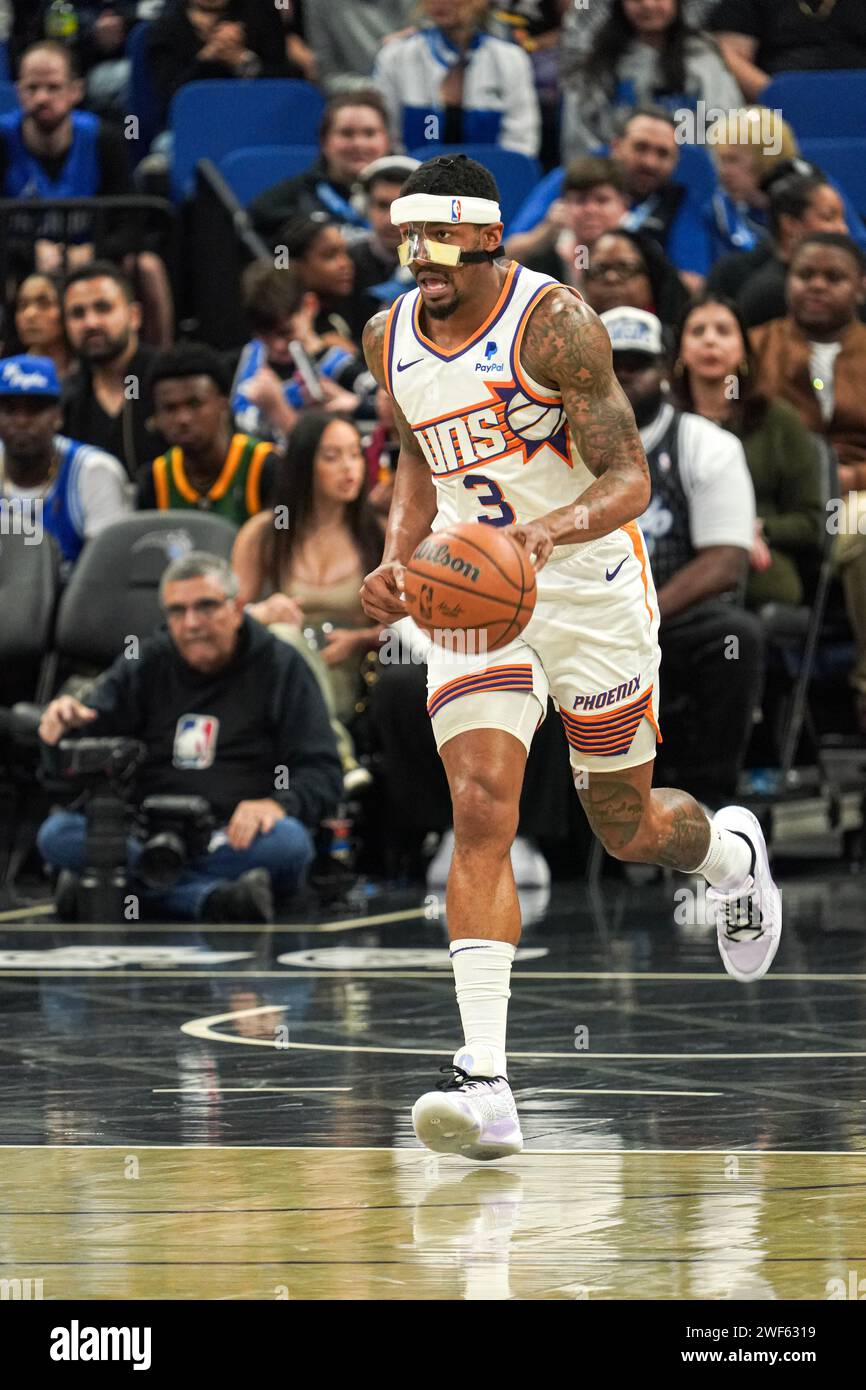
417 247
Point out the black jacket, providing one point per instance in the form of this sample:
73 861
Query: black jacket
129 436
231 732
292 198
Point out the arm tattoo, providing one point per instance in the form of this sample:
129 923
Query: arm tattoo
614 811
565 347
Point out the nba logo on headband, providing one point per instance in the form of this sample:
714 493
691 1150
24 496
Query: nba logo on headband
455 209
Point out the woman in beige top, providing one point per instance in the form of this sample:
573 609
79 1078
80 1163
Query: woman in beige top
301 563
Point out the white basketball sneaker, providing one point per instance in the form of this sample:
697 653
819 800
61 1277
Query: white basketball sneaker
748 921
470 1115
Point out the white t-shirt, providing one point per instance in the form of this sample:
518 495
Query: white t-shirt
822 365
104 490
715 479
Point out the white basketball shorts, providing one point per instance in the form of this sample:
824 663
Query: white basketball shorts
591 643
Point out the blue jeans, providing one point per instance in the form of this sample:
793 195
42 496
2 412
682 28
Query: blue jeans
286 851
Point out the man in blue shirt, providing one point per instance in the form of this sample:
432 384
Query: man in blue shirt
46 480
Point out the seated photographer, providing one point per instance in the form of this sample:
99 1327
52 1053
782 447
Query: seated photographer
226 712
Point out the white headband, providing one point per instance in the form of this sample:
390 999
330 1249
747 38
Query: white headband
438 207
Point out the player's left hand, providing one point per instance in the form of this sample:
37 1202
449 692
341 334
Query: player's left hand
536 537
251 818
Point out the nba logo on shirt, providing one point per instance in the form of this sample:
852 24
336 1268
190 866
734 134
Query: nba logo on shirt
455 209
195 740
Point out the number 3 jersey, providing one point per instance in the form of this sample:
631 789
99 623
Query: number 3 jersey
497 442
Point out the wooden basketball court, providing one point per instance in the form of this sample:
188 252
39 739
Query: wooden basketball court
227 1115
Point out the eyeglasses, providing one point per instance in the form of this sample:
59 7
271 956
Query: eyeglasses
204 608
620 270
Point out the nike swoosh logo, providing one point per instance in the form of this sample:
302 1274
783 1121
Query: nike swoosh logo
401 366
607 573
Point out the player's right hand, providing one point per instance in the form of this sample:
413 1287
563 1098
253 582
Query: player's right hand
61 715
381 590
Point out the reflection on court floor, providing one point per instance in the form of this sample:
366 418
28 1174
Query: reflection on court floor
227 1114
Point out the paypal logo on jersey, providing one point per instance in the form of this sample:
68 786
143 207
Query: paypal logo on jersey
488 365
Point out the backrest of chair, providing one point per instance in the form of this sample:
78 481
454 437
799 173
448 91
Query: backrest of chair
814 102
8 97
697 171
251 170
843 159
29 568
143 98
209 119
113 593
516 174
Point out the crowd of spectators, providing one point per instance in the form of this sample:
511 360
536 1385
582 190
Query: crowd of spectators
736 314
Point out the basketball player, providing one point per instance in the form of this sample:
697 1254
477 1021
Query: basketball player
464 357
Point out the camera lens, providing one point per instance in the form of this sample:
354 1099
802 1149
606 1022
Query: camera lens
161 860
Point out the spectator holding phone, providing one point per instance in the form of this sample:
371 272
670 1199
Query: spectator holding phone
288 365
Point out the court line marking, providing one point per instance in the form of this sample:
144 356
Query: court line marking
204 1028
603 1091
11 913
347 923
385 973
254 1090
425 1155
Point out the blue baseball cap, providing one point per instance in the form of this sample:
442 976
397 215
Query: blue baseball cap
29 376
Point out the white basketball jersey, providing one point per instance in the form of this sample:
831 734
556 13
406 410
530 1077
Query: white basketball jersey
498 444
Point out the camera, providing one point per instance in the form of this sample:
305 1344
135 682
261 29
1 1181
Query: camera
175 829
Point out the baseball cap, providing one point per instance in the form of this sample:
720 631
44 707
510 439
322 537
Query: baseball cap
29 376
633 330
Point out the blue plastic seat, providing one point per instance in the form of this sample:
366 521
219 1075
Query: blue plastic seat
820 103
210 119
252 170
143 99
516 174
8 97
843 159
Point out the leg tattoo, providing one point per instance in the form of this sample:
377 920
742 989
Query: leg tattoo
614 811
684 831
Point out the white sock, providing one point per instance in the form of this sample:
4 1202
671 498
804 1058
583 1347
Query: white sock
482 974
728 860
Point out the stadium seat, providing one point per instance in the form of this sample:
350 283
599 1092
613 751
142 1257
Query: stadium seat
209 119
817 103
516 174
28 597
113 592
143 100
842 158
8 97
253 169
697 172
29 585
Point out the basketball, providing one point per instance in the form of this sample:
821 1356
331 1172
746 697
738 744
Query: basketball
471 579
